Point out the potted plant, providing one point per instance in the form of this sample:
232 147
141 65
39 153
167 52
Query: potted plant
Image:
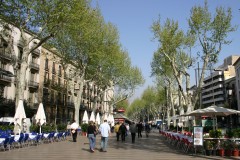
208 145
221 149
84 127
235 151
228 148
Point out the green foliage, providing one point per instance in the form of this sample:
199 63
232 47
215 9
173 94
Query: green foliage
208 144
44 128
229 145
6 127
61 127
84 127
229 133
236 132
215 133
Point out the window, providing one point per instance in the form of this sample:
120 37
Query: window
59 81
20 53
53 68
60 70
46 64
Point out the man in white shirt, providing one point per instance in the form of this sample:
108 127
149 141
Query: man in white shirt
74 127
105 132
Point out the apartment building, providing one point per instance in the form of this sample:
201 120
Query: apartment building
11 49
46 81
237 70
214 90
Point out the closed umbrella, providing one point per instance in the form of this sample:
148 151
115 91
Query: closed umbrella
111 119
92 117
40 116
98 119
105 116
19 116
85 117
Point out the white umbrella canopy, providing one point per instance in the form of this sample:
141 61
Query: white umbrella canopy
92 117
19 116
40 116
85 117
213 111
98 119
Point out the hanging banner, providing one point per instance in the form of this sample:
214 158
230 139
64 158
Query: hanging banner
197 136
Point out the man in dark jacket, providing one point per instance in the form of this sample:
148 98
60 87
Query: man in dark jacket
139 128
123 130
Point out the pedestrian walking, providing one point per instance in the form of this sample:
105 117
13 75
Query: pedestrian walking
74 127
139 129
127 127
116 130
91 132
123 130
147 129
105 132
133 130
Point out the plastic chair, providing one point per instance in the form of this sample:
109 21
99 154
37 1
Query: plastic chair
4 144
26 140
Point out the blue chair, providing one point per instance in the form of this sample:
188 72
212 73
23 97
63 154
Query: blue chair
37 139
4 144
25 139
20 142
11 142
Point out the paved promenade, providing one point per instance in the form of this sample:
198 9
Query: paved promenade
152 148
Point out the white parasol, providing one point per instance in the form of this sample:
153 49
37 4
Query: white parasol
19 116
85 117
92 117
40 116
98 119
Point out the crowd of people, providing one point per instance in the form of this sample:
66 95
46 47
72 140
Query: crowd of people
122 130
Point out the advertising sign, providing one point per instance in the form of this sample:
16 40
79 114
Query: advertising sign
198 136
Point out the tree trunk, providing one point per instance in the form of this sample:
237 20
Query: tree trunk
77 100
21 78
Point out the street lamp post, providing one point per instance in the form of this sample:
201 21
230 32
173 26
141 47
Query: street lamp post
229 92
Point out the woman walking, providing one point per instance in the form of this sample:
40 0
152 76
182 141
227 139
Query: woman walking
91 131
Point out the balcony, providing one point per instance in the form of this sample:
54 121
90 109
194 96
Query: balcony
34 66
5 56
17 58
33 85
5 79
20 43
36 52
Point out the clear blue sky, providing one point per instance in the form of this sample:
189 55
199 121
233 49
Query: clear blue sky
133 18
